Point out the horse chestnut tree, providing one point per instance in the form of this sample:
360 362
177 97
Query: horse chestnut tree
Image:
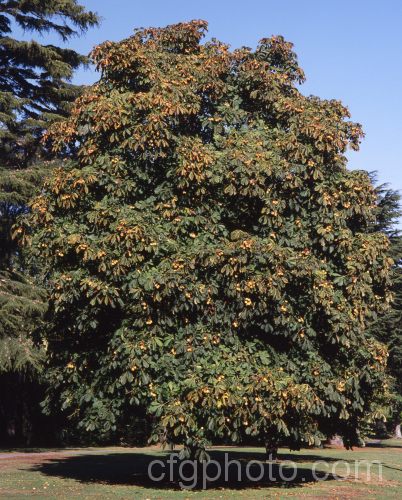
207 252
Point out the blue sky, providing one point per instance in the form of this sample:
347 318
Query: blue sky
349 50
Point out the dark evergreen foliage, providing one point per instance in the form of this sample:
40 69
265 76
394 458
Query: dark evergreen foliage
35 90
388 328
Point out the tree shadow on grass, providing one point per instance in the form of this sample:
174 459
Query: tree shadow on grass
249 471
239 454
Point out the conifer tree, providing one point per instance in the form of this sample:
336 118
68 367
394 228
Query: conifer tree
35 91
388 327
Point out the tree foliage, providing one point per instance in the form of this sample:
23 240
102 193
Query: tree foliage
388 327
35 90
207 254
34 78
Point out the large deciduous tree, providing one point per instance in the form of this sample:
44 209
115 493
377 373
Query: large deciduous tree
208 254
35 90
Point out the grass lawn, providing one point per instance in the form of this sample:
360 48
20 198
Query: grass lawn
122 473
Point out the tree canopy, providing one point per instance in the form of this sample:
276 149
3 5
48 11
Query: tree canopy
35 90
208 254
34 78
388 327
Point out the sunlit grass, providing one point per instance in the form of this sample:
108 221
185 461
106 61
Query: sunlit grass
116 472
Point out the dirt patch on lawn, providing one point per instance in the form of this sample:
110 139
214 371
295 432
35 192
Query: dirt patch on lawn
29 459
11 459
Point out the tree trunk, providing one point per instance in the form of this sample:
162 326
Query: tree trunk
271 449
398 433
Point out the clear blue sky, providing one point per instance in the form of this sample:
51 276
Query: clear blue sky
349 50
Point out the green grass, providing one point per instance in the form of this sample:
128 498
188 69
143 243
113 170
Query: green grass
122 473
